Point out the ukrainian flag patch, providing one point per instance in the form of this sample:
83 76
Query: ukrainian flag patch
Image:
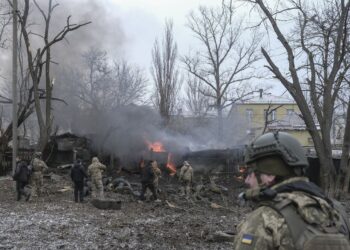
247 239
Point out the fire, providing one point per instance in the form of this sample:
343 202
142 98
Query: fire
159 147
155 146
170 164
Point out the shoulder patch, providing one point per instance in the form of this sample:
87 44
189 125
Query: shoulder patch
247 239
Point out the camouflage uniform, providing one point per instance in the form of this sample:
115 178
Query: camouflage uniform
95 171
157 174
186 178
36 179
265 228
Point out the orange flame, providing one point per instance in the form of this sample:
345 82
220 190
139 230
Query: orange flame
155 146
170 164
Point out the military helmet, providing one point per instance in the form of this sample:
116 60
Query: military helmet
278 145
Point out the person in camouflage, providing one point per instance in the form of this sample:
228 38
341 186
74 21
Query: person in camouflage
36 180
287 204
157 174
95 172
186 178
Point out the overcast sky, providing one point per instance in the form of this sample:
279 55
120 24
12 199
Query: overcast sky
143 22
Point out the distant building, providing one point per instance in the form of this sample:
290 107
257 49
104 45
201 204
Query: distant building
270 113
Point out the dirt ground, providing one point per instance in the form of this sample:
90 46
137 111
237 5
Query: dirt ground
56 222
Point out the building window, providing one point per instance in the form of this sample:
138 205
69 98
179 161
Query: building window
273 115
290 112
270 115
249 115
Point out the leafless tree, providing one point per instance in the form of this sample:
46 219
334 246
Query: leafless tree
196 101
95 88
130 84
226 60
316 59
39 61
268 113
5 19
165 73
103 88
107 87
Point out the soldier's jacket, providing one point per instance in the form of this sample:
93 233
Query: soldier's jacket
39 165
157 172
265 228
186 173
95 169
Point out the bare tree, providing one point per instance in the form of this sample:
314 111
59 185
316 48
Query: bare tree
104 88
226 60
196 101
40 60
5 19
316 58
96 85
268 113
165 73
130 84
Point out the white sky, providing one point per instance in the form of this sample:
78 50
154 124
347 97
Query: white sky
143 22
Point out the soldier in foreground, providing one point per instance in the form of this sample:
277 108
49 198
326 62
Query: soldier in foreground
291 212
36 180
95 172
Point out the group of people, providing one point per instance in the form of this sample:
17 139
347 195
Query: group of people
29 177
290 212
150 174
78 175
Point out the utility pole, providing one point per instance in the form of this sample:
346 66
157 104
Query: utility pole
14 85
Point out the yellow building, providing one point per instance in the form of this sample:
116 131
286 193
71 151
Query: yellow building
265 112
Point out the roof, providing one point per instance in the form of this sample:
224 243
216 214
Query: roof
267 99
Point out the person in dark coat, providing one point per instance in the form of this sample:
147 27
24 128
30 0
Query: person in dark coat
78 175
21 176
147 180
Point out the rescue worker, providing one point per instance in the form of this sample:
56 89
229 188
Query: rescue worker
147 181
95 172
78 175
21 176
157 174
36 180
186 179
291 212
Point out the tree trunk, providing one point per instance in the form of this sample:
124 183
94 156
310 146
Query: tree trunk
344 162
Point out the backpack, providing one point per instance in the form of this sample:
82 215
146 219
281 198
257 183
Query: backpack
22 172
309 237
